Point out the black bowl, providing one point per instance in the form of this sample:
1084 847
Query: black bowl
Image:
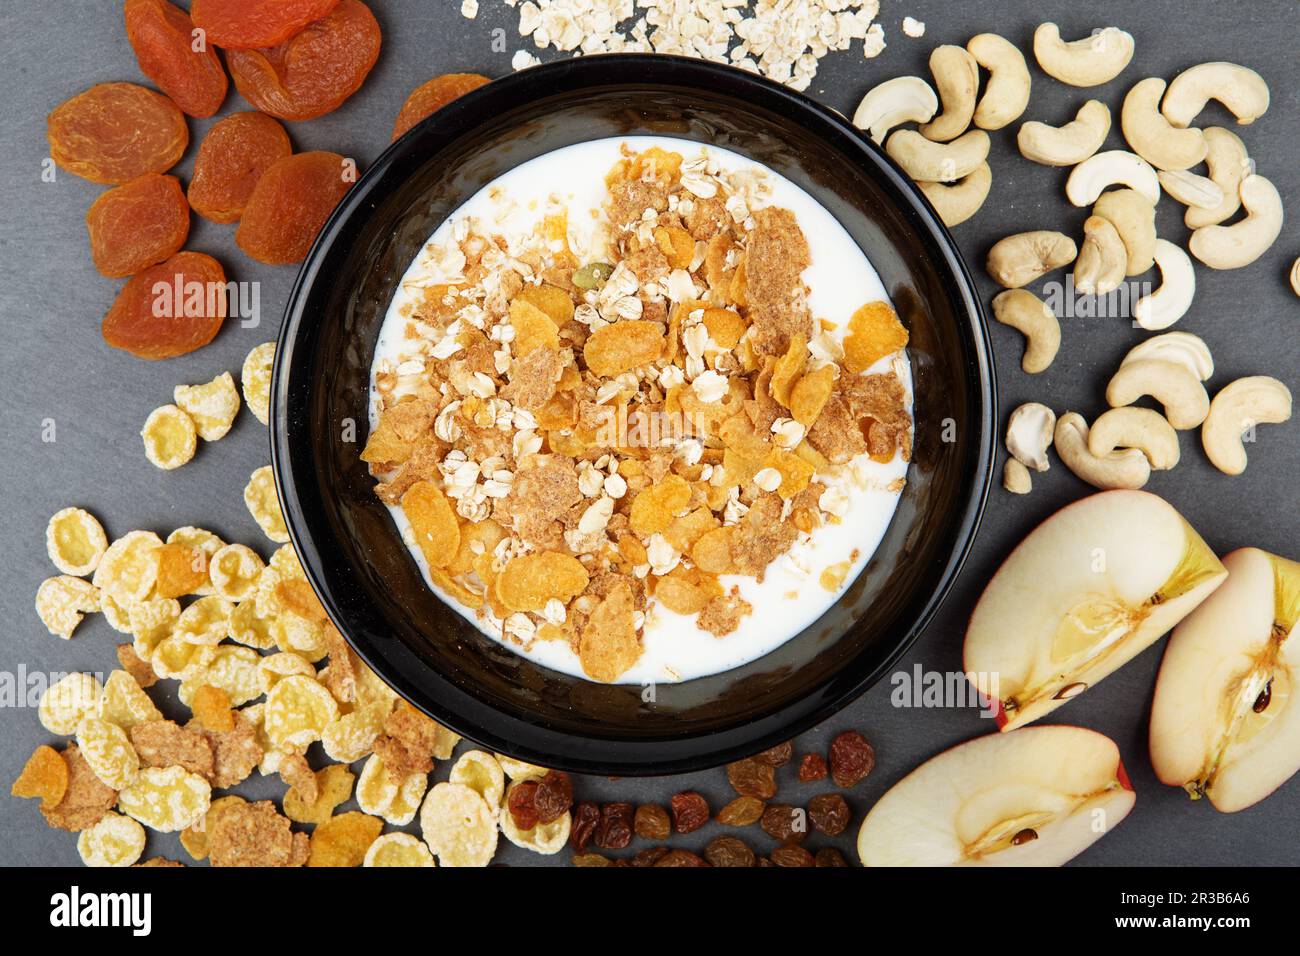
349 546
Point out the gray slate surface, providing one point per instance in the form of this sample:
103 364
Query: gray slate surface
55 368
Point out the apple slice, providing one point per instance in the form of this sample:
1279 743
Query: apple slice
1226 718
1089 589
1036 797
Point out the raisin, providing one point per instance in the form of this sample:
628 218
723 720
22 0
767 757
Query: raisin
521 804
812 767
750 778
591 859
314 71
169 309
162 36
652 822
791 855
777 756
650 857
115 132
233 155
851 758
428 98
554 796
741 812
242 24
785 823
615 829
138 224
690 811
728 851
289 205
681 858
829 813
583 828
829 856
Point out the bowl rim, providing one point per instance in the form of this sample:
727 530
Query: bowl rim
608 756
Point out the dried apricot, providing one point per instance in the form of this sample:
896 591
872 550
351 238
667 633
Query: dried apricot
313 71
115 132
169 309
289 205
190 72
232 157
427 98
241 24
137 224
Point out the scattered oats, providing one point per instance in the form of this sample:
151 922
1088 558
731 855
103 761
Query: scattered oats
469 9
913 27
789 433
522 60
711 387
769 479
834 501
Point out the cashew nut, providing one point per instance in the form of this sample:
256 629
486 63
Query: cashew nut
957 78
1098 173
1239 88
1128 468
1169 303
1028 314
930 162
1102 258
1229 164
1094 60
1029 435
1183 348
1016 478
1020 259
1191 189
1134 218
1151 135
1295 277
958 202
1236 410
1006 94
1170 384
1133 427
1069 144
1240 244
904 99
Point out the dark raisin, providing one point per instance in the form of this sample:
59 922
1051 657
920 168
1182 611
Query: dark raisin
741 812
777 756
791 854
615 829
728 851
591 859
650 857
752 779
690 812
681 858
852 758
786 823
554 796
585 818
812 767
521 806
829 856
652 822
829 813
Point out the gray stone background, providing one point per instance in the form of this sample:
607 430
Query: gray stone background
55 367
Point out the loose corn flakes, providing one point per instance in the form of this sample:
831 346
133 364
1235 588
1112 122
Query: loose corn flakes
398 849
255 377
114 613
408 741
108 751
274 667
554 301
529 581
712 552
124 703
166 799
206 621
200 538
264 506
725 327
437 531
114 841
140 670
333 787
174 659
298 709
874 332
654 508
383 793
234 571
253 834
212 406
297 775
68 701
85 800
170 439
343 840
623 346
150 622
128 569
534 329
195 837
211 706
235 753
609 645
795 472
788 368
249 628
181 570
353 735
810 394
458 826
229 667
164 743
518 770
482 773
62 602
44 776
75 541
544 838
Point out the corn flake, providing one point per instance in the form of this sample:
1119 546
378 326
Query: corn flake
274 667
255 377
211 707
234 572
194 838
249 628
482 773
206 621
788 368
181 570
170 439
518 770
810 394
333 787
383 793
62 602
212 406
75 541
124 703
128 569
115 614
150 622
458 826
264 506
433 520
85 800
623 346
343 840
114 841
874 332
228 667
398 849
298 709
534 329
529 581
44 776
68 701
254 834
353 735
108 750
166 799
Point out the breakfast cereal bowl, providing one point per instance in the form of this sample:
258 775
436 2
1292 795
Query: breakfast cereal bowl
355 551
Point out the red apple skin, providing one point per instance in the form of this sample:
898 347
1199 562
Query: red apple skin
1122 776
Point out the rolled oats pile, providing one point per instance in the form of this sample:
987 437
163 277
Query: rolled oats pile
782 39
